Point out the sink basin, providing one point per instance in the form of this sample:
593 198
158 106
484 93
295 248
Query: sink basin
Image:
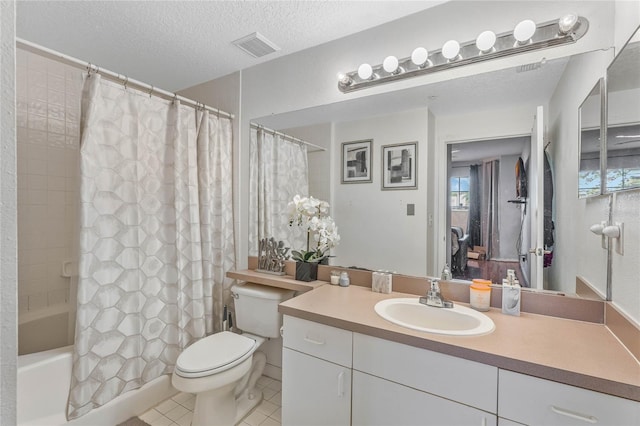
456 321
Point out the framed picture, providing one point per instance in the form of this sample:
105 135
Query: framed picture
356 161
399 166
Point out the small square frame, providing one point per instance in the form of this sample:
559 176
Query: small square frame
356 161
400 166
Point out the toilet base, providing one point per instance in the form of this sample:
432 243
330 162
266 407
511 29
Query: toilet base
244 405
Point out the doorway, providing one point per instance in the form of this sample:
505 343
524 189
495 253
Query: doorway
487 208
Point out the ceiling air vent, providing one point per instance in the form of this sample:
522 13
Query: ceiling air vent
256 45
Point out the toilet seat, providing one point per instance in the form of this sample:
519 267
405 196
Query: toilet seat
214 354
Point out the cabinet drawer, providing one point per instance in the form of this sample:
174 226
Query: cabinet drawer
319 340
535 401
458 379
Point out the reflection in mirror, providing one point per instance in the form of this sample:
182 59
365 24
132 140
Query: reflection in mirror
590 115
487 209
623 118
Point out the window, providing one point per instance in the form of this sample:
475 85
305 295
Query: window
460 193
623 178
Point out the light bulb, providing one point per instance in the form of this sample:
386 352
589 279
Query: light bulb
567 23
524 30
485 41
365 71
451 49
419 56
390 64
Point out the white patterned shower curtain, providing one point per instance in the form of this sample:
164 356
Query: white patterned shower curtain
279 171
156 238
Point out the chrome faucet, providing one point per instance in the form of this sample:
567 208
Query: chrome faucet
434 298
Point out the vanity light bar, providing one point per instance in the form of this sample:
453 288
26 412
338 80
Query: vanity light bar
526 37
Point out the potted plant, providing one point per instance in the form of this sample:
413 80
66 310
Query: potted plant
322 235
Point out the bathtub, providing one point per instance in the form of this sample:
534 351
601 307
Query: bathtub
43 388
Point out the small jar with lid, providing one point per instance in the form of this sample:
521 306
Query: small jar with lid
480 295
335 277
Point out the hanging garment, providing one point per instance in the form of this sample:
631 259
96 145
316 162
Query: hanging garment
549 226
156 238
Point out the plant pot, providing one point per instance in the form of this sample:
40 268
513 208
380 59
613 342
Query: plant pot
306 271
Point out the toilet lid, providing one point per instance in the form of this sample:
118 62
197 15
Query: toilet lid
218 351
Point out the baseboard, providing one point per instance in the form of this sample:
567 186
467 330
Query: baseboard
273 372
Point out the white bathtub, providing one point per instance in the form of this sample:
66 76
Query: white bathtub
43 388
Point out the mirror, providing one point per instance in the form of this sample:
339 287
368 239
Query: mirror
623 118
376 227
590 118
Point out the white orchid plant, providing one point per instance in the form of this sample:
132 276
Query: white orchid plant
312 214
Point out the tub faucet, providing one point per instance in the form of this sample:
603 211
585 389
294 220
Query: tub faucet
434 298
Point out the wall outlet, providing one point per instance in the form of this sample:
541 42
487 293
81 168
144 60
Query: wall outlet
411 209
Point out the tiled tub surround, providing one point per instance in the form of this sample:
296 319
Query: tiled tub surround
47 118
576 353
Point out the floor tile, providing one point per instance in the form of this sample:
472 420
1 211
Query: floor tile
277 415
182 397
189 404
150 415
276 399
167 406
267 408
185 420
162 421
270 422
275 385
255 418
177 412
267 393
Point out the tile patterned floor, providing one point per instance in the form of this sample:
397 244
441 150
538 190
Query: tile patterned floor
178 410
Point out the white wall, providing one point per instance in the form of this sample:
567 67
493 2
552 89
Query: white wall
577 251
375 231
8 219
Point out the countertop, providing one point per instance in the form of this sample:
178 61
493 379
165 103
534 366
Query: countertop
573 352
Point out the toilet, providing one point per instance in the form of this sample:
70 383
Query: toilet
222 369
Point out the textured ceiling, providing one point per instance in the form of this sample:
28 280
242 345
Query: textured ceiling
178 44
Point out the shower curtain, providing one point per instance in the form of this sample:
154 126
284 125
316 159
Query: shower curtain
156 237
279 171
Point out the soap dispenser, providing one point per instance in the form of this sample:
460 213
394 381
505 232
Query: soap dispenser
511 294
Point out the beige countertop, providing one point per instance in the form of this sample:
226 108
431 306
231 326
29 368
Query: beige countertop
573 352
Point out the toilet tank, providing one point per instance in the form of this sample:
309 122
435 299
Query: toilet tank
257 308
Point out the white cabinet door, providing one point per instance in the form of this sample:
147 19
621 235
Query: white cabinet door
314 391
380 402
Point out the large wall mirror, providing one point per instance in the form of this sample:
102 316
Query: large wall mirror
590 178
623 118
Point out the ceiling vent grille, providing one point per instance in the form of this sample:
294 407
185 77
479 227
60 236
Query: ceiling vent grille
256 45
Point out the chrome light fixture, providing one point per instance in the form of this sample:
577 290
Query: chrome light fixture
525 37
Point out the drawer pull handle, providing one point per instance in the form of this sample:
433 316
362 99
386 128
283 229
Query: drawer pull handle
574 415
341 384
315 342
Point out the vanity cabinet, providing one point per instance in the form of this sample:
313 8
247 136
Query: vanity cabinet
533 401
316 374
395 383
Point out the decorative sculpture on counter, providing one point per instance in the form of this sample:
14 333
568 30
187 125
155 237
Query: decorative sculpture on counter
271 256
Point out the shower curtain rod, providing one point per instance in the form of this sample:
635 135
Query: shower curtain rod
151 90
292 138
